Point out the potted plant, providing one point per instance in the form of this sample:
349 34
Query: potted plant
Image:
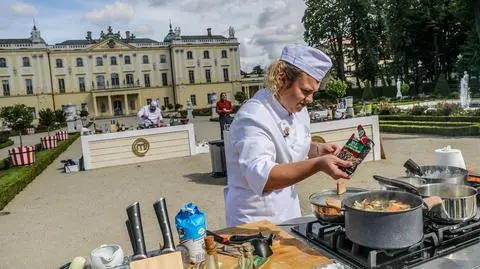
18 118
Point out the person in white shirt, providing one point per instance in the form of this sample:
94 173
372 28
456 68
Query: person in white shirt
269 148
150 115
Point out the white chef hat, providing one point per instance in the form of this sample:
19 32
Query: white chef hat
153 103
310 60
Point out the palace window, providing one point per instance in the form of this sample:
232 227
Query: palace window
100 81
99 61
81 84
61 85
113 60
29 86
225 74
3 62
208 76
59 63
163 58
164 79
193 99
145 59
166 101
115 80
126 59
26 61
6 88
206 54
79 62
191 76
189 55
132 104
147 79
224 54
130 80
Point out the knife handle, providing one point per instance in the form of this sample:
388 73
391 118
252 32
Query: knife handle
160 207
130 234
133 213
239 239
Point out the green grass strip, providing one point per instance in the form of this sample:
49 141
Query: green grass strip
472 130
13 180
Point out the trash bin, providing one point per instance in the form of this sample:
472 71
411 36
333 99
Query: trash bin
217 156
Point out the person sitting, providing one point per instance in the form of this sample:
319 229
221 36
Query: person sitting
150 116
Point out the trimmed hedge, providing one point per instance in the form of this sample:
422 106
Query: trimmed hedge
472 130
15 179
474 119
426 123
7 143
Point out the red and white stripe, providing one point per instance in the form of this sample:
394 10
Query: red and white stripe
22 155
62 135
30 131
49 142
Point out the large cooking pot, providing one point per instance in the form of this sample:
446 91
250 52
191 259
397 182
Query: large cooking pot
437 173
384 230
459 202
328 213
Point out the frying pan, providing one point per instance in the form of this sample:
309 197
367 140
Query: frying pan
328 213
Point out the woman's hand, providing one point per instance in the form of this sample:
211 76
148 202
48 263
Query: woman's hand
331 164
320 149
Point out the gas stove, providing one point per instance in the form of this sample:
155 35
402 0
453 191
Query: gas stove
443 246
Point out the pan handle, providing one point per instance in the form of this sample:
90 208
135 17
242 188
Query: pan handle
435 202
413 167
397 183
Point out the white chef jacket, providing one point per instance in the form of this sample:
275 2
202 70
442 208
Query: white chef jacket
257 142
153 116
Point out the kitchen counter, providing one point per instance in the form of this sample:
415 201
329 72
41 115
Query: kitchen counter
288 252
136 146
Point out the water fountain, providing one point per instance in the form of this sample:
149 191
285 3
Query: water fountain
464 91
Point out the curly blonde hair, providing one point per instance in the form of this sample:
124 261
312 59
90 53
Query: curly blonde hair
281 75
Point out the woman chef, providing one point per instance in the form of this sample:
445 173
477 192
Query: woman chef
269 146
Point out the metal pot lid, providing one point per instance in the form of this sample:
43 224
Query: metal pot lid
319 198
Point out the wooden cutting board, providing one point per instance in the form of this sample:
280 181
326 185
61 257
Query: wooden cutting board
288 252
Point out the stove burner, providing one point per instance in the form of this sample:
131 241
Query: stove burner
438 240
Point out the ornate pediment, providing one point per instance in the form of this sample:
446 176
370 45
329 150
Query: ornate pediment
111 44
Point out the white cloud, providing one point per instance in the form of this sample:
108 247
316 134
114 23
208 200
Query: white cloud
143 31
115 12
23 9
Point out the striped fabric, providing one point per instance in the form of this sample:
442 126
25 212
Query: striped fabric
22 155
62 135
49 142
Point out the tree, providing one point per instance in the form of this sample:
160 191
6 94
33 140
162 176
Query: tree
18 117
240 97
326 26
46 118
60 116
336 88
257 70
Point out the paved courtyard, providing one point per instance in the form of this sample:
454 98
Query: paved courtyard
60 216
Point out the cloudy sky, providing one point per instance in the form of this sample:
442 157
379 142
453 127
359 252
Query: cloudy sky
261 26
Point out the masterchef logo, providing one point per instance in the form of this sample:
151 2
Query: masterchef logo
140 147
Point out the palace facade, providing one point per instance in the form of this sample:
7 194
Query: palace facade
116 74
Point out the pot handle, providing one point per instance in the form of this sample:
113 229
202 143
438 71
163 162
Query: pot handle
413 167
397 183
433 201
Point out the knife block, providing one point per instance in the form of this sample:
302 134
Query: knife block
165 261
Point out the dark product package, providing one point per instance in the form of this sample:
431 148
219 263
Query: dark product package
356 149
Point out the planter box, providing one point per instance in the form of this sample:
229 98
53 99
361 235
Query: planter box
49 142
22 155
62 135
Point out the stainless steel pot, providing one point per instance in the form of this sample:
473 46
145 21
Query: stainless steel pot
327 213
459 202
436 173
415 181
